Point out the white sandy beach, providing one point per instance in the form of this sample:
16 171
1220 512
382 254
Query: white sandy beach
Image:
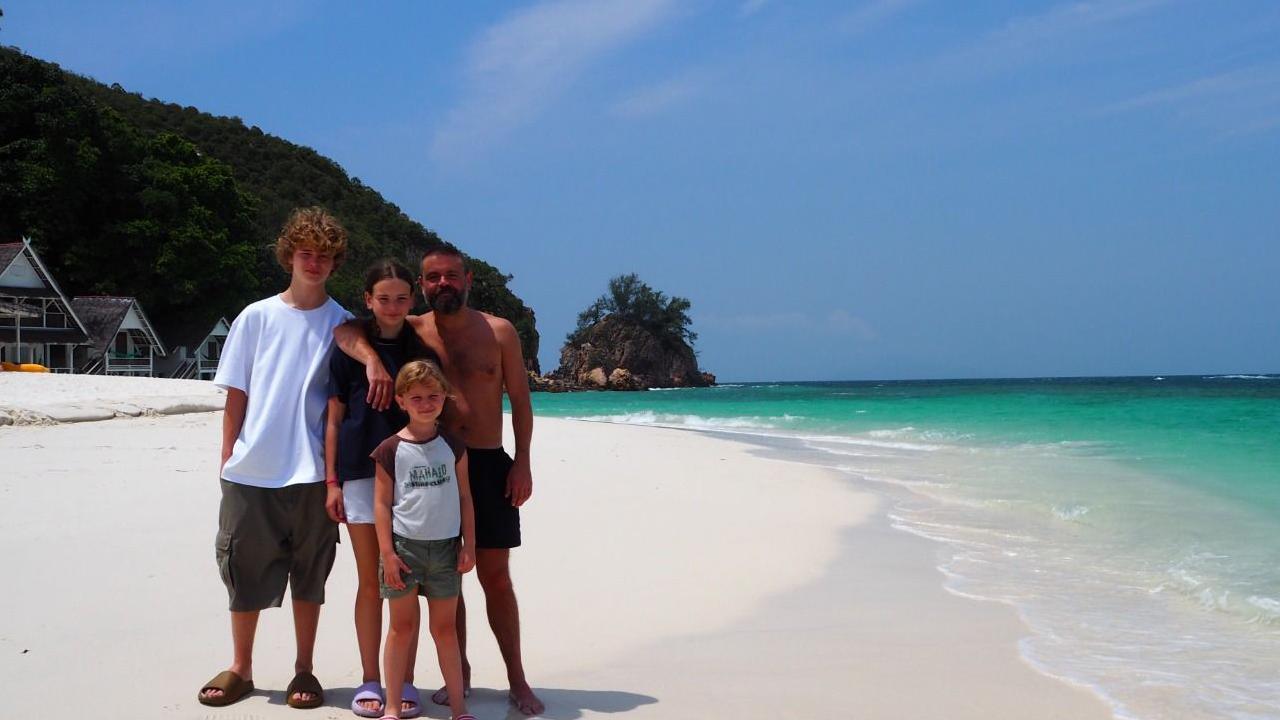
46 398
665 574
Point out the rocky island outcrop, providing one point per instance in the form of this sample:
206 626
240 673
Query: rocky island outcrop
631 338
617 355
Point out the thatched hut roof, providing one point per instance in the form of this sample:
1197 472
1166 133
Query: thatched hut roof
102 316
8 251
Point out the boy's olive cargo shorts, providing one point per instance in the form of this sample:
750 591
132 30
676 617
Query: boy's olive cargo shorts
270 537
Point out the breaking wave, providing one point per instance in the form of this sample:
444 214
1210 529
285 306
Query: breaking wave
698 422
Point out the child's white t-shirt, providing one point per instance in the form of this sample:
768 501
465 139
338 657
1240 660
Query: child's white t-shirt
425 504
279 356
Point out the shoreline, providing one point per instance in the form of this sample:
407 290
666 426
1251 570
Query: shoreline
886 533
1139 642
705 579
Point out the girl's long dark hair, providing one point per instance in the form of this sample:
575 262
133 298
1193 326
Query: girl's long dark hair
411 346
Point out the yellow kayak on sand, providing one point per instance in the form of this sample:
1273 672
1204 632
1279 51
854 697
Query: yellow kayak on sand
23 367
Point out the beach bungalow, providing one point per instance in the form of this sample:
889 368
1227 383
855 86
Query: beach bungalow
196 355
121 340
37 323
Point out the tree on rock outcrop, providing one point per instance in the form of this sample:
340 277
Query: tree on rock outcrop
631 300
632 338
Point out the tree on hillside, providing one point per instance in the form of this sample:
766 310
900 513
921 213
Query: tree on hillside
181 241
117 211
632 300
95 169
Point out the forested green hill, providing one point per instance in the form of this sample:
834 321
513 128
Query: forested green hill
129 196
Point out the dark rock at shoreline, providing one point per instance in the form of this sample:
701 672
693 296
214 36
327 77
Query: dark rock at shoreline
546 383
622 379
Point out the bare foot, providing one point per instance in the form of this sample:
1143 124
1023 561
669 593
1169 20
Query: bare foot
441 696
525 701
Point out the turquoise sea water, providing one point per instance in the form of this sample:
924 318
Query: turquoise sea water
1133 522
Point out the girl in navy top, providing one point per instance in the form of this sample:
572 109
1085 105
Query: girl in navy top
352 430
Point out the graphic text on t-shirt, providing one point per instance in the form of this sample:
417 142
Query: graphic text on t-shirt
427 476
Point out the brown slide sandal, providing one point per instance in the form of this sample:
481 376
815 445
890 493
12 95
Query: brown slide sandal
233 688
304 682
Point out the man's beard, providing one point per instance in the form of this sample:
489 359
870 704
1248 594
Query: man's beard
447 302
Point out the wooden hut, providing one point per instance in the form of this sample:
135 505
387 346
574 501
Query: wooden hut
121 339
196 354
37 323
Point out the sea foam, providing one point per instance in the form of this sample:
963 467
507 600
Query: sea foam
698 422
1242 377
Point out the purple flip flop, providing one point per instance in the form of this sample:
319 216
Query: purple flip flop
410 695
371 690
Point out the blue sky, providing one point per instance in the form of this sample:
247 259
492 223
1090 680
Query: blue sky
846 190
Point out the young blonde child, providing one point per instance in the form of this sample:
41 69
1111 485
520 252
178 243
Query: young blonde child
426 531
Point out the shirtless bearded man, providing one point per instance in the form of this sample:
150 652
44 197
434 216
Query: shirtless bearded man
481 356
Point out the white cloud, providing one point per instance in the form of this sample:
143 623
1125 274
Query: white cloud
1237 102
871 14
1034 36
1069 18
530 58
659 97
1215 86
751 7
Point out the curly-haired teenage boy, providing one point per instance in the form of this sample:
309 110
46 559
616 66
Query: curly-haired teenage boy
272 526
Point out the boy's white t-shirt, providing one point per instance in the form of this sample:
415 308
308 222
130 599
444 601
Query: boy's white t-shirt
279 356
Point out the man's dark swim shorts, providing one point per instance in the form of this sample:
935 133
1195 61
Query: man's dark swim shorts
497 521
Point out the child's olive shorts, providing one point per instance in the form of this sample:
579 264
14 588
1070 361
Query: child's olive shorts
433 568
